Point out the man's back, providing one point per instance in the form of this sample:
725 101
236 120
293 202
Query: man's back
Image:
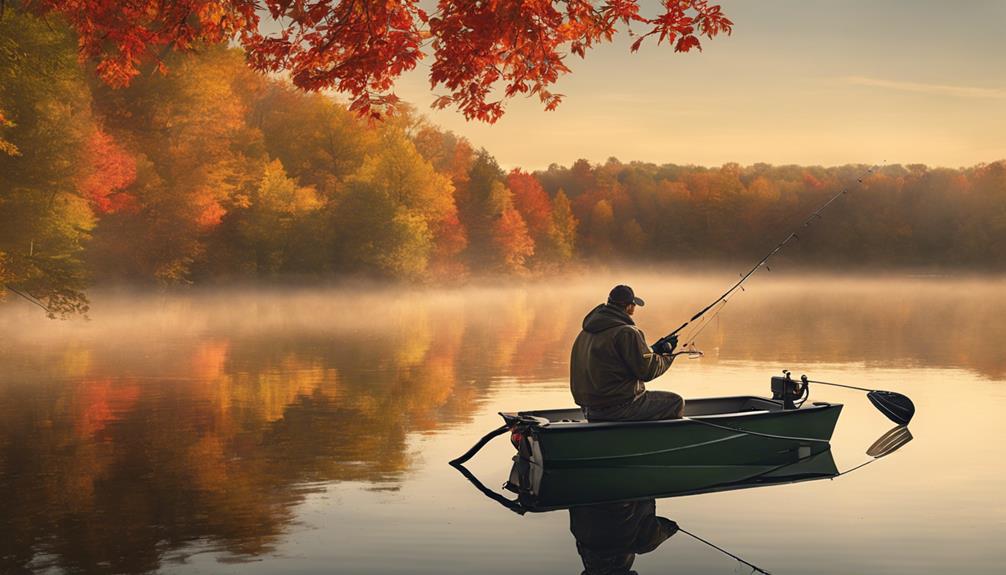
610 360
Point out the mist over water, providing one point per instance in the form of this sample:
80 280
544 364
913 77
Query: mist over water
885 321
307 429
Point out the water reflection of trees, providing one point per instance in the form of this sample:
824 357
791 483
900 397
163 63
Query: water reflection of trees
120 450
215 439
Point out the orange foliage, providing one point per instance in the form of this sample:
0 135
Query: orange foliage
811 182
531 201
110 169
479 48
511 239
450 239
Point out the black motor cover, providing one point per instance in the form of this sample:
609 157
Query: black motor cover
786 389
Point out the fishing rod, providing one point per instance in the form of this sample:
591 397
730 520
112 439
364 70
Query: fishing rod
670 341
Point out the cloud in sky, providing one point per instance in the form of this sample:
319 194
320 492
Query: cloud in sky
923 88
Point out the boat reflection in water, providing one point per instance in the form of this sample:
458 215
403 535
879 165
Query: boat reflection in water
546 489
612 510
610 534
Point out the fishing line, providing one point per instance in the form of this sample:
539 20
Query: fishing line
703 324
722 550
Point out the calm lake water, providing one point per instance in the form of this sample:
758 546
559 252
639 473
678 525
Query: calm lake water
308 431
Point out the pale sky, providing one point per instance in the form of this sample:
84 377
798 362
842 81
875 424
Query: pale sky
799 81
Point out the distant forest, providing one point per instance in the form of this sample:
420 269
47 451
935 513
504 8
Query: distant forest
215 173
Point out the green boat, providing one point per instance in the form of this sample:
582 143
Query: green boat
722 431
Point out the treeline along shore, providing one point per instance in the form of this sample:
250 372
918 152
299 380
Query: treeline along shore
212 172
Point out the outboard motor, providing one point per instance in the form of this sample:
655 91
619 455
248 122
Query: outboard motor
792 393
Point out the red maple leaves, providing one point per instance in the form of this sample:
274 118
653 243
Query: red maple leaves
484 51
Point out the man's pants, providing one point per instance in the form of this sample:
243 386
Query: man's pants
649 406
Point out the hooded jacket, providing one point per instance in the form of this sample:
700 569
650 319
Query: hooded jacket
610 360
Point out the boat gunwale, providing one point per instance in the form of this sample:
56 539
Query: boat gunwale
525 417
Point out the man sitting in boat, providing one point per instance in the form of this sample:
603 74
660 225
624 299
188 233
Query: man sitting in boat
611 361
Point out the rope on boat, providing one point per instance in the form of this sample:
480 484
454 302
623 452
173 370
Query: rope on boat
838 385
514 506
758 433
481 443
458 463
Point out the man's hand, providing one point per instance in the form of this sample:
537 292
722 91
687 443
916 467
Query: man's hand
665 345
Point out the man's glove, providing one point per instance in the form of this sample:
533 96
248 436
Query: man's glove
665 345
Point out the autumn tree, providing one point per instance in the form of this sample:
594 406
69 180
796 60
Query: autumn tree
451 155
532 202
109 170
448 153
263 226
198 152
318 141
482 52
564 225
474 207
511 241
985 226
45 192
599 230
392 210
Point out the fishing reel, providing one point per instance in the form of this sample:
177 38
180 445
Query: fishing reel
791 392
665 345
668 344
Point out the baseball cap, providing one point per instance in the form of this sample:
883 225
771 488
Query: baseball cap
623 295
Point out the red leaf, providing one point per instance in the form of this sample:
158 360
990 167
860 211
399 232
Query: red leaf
686 43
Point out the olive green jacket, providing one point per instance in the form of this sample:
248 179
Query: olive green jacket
610 360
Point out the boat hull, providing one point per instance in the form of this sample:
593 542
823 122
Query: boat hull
716 431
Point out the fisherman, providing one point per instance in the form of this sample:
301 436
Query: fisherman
611 361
